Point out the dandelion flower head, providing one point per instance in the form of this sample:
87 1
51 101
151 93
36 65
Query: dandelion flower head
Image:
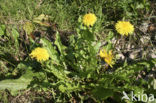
103 53
124 27
89 19
107 56
40 54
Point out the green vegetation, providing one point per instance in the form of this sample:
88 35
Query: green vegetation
83 63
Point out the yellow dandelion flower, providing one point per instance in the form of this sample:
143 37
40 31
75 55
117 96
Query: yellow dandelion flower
103 53
124 27
40 54
108 57
89 19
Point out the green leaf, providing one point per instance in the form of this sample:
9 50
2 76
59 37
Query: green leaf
59 44
14 85
102 93
139 6
88 35
62 88
154 84
110 36
15 35
153 60
3 27
97 46
67 86
60 74
108 46
51 50
2 30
